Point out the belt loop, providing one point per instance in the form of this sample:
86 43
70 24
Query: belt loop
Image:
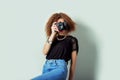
46 61
55 62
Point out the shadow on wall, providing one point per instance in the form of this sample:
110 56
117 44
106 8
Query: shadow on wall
88 51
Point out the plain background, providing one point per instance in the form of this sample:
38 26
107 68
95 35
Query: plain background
22 36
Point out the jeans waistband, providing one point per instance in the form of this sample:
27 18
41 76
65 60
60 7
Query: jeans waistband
56 60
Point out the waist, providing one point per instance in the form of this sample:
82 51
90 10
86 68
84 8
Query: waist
59 61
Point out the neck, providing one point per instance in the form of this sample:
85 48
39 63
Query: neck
61 37
62 34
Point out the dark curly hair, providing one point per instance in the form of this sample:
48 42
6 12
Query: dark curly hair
57 16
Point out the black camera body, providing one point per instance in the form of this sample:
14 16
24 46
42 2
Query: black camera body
62 26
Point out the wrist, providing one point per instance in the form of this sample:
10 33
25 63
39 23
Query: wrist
49 42
51 38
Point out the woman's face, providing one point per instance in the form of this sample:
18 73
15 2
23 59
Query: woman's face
63 32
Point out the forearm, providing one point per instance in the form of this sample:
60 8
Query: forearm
72 72
73 65
48 43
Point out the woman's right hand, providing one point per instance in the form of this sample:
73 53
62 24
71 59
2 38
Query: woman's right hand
54 28
54 31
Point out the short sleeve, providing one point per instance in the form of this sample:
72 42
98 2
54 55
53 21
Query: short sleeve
75 45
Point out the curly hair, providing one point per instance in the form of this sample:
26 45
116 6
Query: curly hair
57 16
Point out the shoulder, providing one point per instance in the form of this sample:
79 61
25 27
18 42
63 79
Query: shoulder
73 38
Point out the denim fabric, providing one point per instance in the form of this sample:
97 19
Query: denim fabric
55 69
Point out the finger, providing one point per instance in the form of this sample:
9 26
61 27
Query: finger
54 23
56 29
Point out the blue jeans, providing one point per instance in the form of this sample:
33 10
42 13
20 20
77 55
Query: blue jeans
54 69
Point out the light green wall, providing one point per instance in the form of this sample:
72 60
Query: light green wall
22 36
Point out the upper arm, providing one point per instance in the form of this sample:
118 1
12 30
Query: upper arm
75 46
75 49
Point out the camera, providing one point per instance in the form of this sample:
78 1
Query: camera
62 26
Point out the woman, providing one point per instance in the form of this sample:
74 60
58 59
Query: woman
59 48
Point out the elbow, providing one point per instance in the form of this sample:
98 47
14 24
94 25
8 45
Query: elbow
45 52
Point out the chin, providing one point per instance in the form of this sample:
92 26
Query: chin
62 32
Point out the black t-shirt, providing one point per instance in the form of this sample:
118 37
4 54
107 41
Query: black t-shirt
62 49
